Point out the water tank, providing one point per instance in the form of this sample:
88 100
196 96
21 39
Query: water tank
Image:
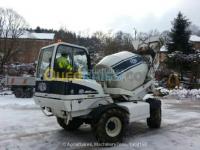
124 70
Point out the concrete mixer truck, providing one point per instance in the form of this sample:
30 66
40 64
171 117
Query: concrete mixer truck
108 96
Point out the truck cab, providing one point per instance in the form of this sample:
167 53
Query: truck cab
72 88
77 56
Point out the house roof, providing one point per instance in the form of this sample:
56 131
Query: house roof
194 38
39 36
32 35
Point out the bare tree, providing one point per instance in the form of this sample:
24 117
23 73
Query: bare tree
141 40
12 26
135 33
119 41
164 37
154 32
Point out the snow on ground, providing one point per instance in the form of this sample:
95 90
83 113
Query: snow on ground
24 127
9 101
184 93
181 93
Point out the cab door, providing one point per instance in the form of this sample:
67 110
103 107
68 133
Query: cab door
77 57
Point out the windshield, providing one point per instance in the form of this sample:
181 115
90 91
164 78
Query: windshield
44 61
69 60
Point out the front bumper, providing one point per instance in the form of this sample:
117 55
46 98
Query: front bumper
55 106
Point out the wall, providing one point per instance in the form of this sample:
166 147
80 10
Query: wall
28 50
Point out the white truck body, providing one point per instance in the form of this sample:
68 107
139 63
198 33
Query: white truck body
90 100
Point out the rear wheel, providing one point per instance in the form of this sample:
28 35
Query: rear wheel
19 92
28 92
73 124
111 126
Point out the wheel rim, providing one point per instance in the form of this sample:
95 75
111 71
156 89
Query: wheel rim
113 126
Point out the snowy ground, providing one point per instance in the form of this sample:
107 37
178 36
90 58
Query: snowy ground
23 126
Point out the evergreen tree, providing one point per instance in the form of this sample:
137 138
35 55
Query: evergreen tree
180 35
38 29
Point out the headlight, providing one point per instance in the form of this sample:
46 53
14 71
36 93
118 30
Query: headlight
42 87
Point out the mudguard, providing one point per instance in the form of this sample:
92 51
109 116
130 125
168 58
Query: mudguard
154 103
96 113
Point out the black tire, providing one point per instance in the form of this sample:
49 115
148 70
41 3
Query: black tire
19 93
73 124
155 118
28 92
108 123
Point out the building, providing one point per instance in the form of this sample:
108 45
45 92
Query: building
163 53
29 46
154 42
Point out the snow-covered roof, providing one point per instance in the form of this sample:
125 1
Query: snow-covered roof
154 39
163 49
30 35
194 38
40 36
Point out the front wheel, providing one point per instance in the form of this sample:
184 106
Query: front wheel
111 126
154 121
73 124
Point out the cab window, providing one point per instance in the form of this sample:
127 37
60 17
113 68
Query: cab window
80 62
